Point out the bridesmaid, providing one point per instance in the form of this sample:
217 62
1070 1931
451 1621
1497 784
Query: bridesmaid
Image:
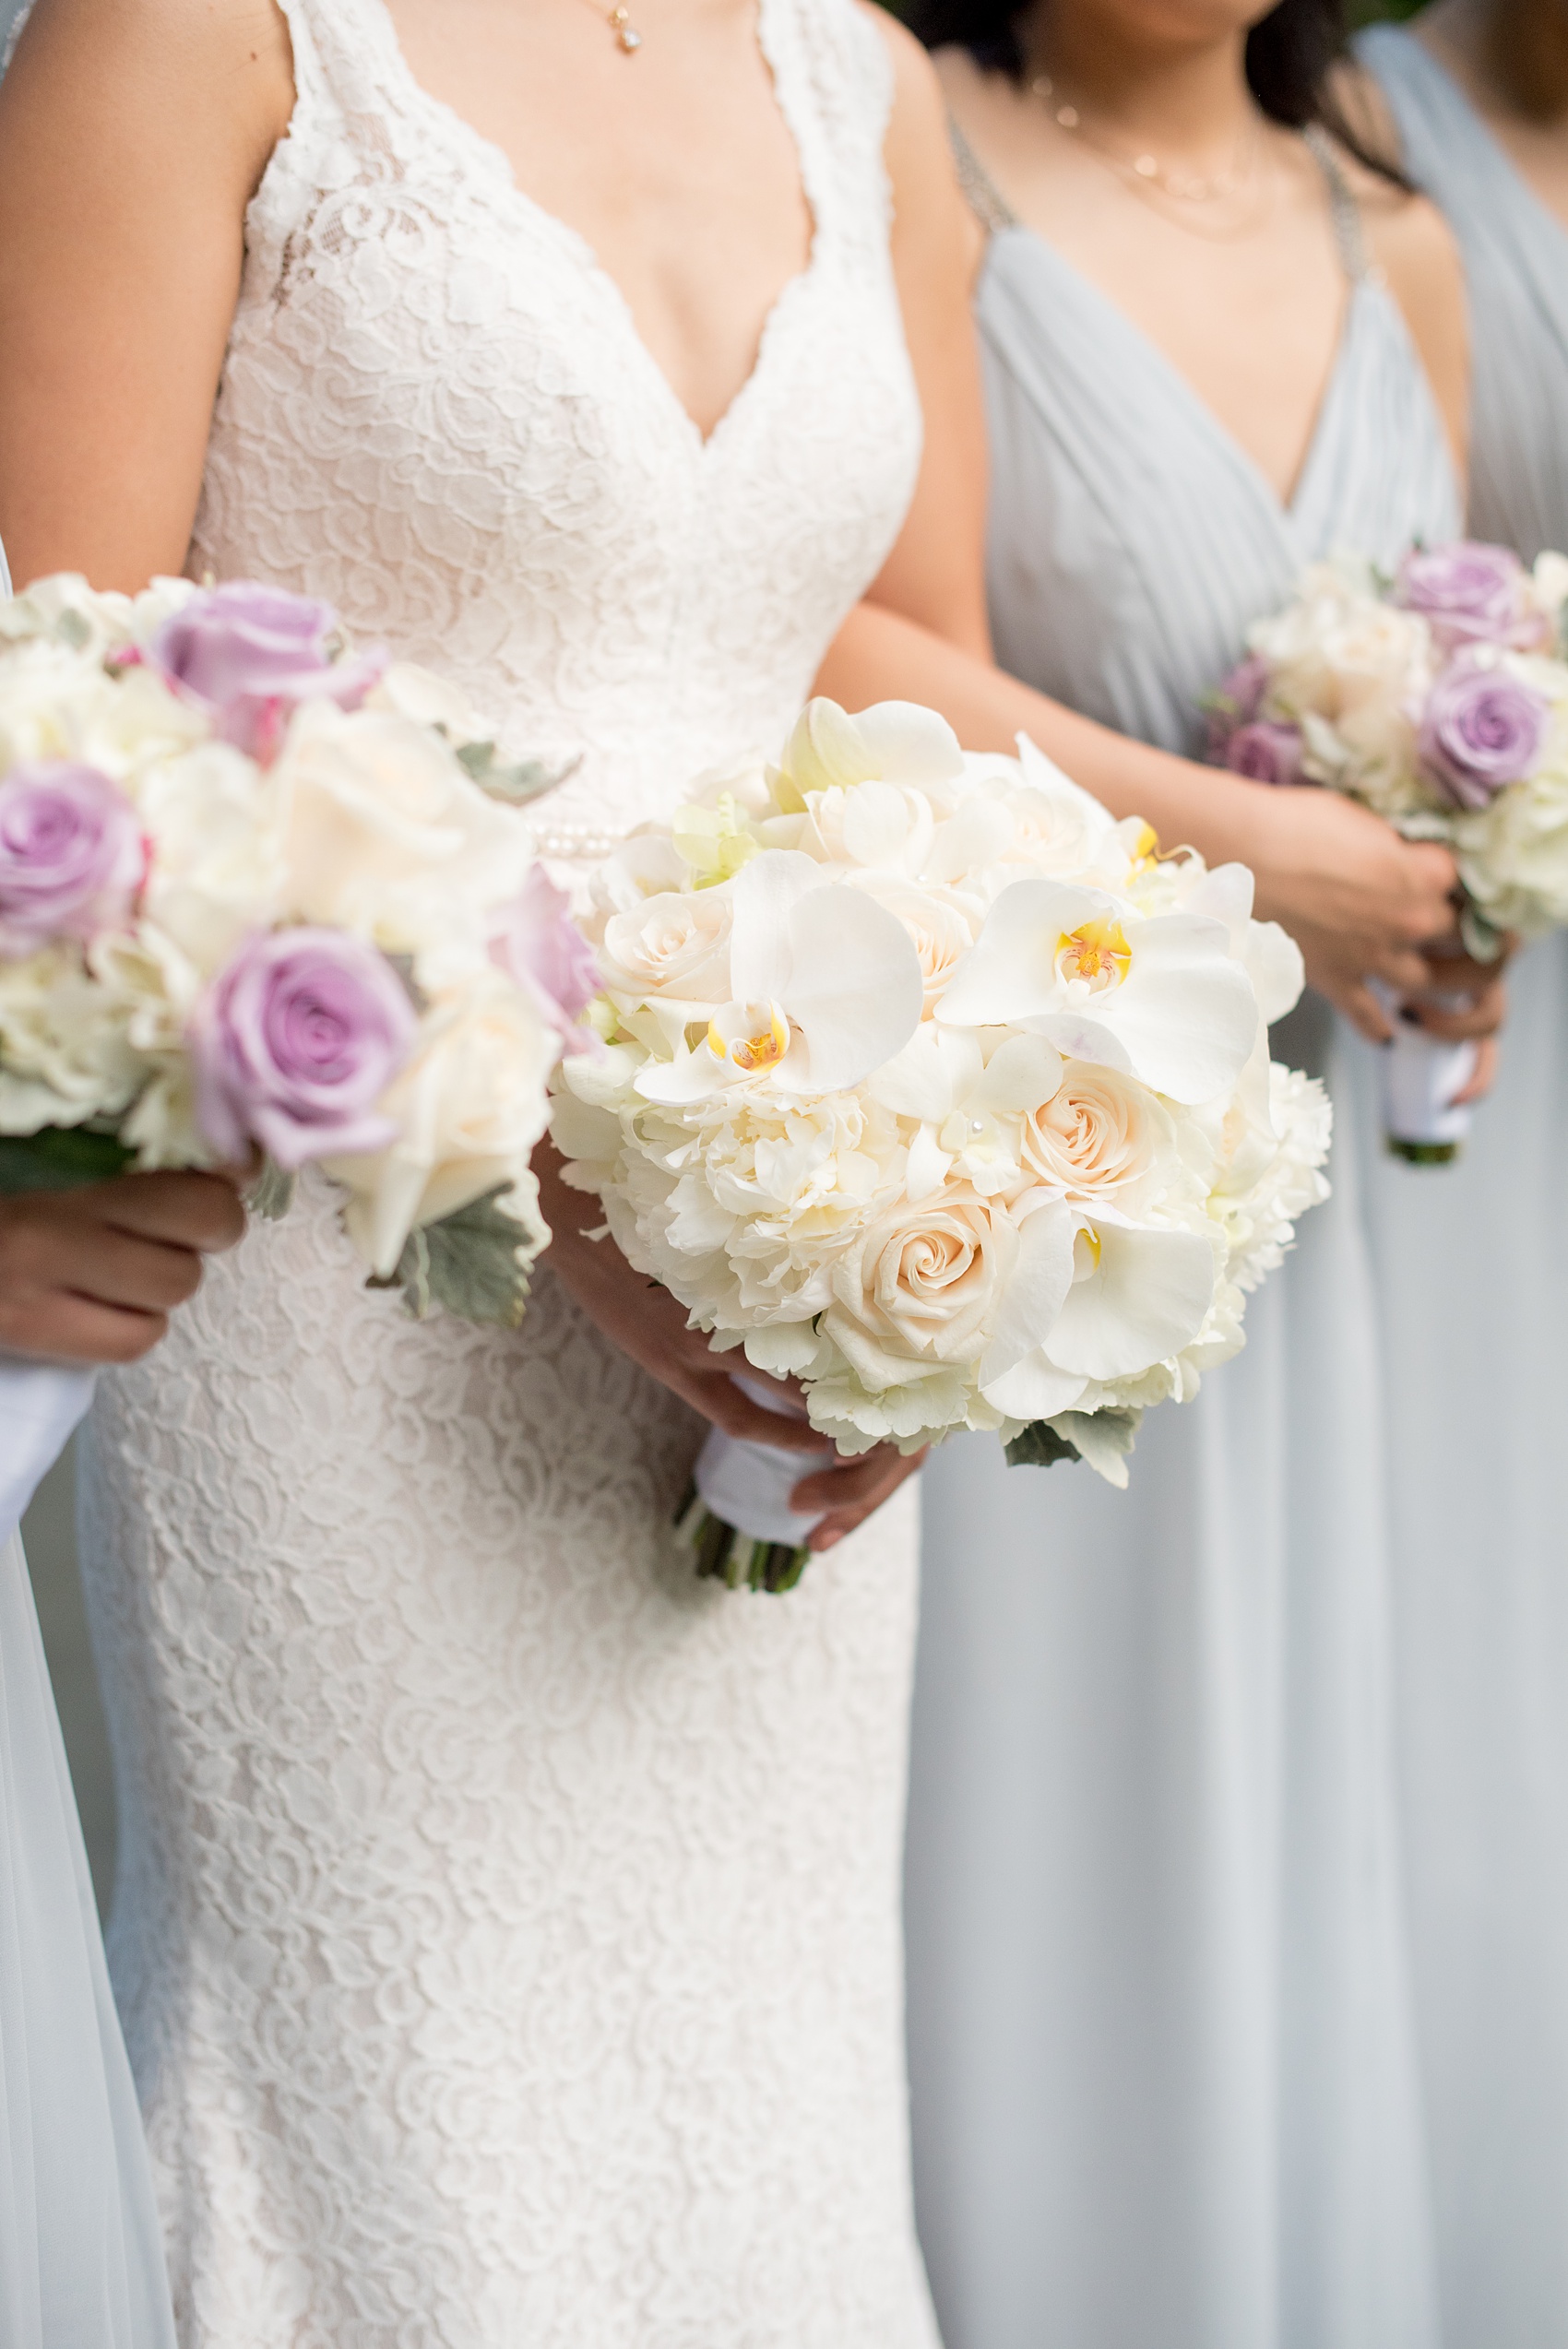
1478 96
1164 2066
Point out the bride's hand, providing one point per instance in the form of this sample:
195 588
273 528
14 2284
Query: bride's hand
1359 901
646 1323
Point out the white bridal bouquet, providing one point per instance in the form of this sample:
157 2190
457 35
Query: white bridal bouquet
259 893
931 1087
1439 698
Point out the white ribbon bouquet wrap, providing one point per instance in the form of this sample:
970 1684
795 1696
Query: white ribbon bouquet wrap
1437 696
264 896
931 1088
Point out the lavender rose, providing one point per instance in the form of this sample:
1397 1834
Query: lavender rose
1469 594
248 654
1236 703
72 855
1483 730
540 946
1266 751
293 1045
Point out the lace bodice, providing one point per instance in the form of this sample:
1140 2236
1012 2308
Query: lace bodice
438 412
507 1925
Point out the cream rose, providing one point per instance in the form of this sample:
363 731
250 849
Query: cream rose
1099 1134
670 947
942 924
220 870
470 1104
385 834
920 1290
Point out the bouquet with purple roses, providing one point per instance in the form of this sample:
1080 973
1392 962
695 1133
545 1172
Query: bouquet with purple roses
265 899
1437 696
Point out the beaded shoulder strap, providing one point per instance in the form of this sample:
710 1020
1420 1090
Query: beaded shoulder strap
989 207
1349 235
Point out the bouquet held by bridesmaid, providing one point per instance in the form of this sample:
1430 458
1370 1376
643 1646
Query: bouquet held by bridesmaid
1439 698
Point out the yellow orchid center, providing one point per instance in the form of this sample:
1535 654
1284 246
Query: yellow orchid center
1144 854
1086 1253
752 1037
1096 953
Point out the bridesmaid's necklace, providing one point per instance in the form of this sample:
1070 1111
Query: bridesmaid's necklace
1148 177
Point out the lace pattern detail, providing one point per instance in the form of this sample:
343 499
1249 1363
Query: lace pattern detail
507 1928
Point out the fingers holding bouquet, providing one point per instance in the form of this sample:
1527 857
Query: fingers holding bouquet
92 1274
1436 698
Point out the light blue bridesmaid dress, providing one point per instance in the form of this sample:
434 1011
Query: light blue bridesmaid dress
1164 2065
81 2256
1482 1602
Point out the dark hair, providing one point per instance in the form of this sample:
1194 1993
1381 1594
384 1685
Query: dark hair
1291 57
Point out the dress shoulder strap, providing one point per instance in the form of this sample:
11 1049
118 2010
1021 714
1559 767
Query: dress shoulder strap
988 205
1349 235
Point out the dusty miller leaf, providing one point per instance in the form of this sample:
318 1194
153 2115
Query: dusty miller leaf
517 785
272 1193
1040 1446
470 1263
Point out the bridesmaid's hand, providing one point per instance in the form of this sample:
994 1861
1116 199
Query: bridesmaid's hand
1452 974
1478 1018
646 1323
93 1275
1359 901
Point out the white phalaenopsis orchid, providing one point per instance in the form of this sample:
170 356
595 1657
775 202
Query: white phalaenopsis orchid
1111 1296
826 986
1162 997
933 1086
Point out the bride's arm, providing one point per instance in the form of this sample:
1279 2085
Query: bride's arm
1358 898
132 135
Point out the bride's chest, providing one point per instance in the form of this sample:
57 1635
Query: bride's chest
425 350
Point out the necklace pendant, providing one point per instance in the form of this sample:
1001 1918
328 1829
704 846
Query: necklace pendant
627 37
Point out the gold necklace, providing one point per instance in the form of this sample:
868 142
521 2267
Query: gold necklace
1145 174
627 37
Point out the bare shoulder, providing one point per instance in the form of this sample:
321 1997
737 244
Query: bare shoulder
1412 244
196 66
932 223
918 103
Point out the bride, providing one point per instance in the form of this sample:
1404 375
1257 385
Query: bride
507 1925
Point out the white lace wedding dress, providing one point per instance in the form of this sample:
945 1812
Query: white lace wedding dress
507 1924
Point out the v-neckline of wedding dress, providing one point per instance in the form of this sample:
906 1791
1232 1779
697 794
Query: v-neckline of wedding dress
458 131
